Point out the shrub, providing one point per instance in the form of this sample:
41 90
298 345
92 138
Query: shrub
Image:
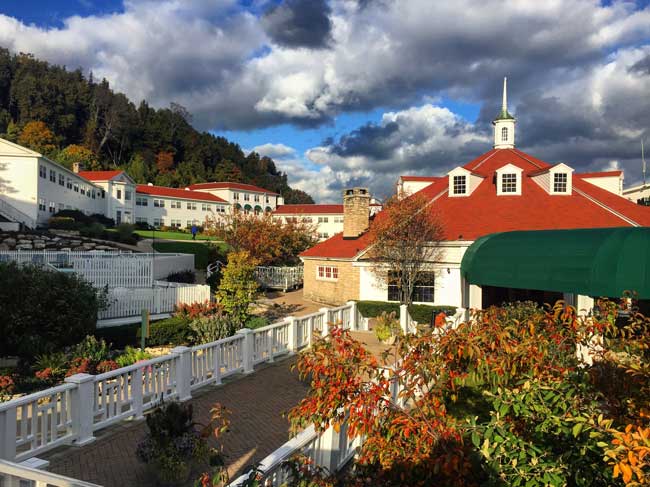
125 233
172 331
187 276
254 322
143 226
194 310
132 355
172 446
93 349
51 367
119 336
94 230
106 366
76 215
387 326
103 219
6 388
421 313
238 286
62 223
41 310
80 365
206 329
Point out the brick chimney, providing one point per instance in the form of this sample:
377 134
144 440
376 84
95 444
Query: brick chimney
77 166
356 212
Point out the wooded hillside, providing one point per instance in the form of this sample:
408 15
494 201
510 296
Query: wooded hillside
70 117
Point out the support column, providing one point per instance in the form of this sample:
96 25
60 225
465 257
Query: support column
354 325
183 372
82 401
325 330
292 335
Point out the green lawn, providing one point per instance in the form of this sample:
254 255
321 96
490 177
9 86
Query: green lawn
171 235
199 249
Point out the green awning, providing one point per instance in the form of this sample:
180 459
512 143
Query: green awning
591 262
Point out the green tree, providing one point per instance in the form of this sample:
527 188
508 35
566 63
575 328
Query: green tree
238 286
138 169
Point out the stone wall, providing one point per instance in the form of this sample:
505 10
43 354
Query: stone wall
337 292
48 241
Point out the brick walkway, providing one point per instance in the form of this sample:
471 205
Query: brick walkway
256 402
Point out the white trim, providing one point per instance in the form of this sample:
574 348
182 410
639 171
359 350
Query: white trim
603 205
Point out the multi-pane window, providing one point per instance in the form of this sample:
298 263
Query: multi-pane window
127 195
93 194
257 197
118 194
509 183
141 201
235 196
52 207
61 180
76 187
141 219
191 205
423 290
560 182
41 204
83 190
323 219
267 199
247 197
158 222
323 235
504 134
88 192
175 204
69 184
176 223
205 207
326 272
53 175
338 219
189 223
460 185
159 203
42 172
221 209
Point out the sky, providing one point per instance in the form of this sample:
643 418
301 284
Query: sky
358 92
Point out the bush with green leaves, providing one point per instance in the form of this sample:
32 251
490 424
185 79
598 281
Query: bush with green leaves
92 348
131 355
387 326
94 230
187 276
206 329
171 331
421 313
238 287
43 310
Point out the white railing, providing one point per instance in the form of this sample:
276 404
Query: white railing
72 412
13 213
15 475
126 302
284 278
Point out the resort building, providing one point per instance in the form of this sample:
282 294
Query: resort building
33 189
159 206
245 197
502 190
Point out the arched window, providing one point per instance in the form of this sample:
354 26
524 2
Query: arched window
504 134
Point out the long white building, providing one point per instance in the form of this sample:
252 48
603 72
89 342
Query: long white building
34 188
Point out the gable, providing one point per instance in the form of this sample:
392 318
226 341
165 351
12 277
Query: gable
10 149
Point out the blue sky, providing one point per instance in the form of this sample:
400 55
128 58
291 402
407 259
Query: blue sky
352 92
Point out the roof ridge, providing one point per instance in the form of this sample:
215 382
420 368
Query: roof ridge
517 152
493 152
595 200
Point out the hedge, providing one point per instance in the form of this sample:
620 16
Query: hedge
170 331
419 312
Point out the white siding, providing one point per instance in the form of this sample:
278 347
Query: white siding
182 214
613 184
18 183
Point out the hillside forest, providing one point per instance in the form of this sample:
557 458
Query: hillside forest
70 117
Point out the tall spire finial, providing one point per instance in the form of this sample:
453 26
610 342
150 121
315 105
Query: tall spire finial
504 105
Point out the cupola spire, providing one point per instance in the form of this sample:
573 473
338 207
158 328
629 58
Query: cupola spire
504 124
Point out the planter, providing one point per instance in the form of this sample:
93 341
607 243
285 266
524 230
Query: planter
390 340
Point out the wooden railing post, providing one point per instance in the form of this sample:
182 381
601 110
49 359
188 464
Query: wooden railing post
404 318
8 432
354 325
292 334
82 404
216 365
325 331
183 372
136 393
248 349
269 344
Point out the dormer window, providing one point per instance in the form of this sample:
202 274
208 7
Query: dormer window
560 182
509 183
460 185
504 134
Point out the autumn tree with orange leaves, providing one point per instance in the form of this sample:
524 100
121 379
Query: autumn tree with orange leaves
403 242
502 399
268 240
37 136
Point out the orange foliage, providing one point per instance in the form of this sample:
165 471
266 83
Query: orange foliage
165 161
37 136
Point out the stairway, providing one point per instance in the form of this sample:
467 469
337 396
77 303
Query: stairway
13 214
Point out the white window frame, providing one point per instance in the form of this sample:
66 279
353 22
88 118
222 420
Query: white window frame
509 183
458 181
507 170
327 273
159 203
504 134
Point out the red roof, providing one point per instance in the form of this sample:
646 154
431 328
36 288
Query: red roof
308 209
604 174
99 175
227 185
178 193
484 212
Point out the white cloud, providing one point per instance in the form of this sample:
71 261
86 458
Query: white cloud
275 151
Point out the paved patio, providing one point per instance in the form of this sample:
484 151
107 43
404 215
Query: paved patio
256 402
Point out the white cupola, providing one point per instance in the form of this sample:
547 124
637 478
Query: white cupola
504 124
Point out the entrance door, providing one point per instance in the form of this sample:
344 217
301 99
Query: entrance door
118 217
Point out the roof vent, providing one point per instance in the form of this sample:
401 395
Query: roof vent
149 184
187 189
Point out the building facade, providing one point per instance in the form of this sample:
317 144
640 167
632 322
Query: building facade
502 190
244 197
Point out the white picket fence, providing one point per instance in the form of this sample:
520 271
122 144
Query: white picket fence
159 299
106 268
284 278
72 412
15 475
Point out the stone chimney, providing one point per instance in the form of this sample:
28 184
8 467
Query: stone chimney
77 166
356 212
